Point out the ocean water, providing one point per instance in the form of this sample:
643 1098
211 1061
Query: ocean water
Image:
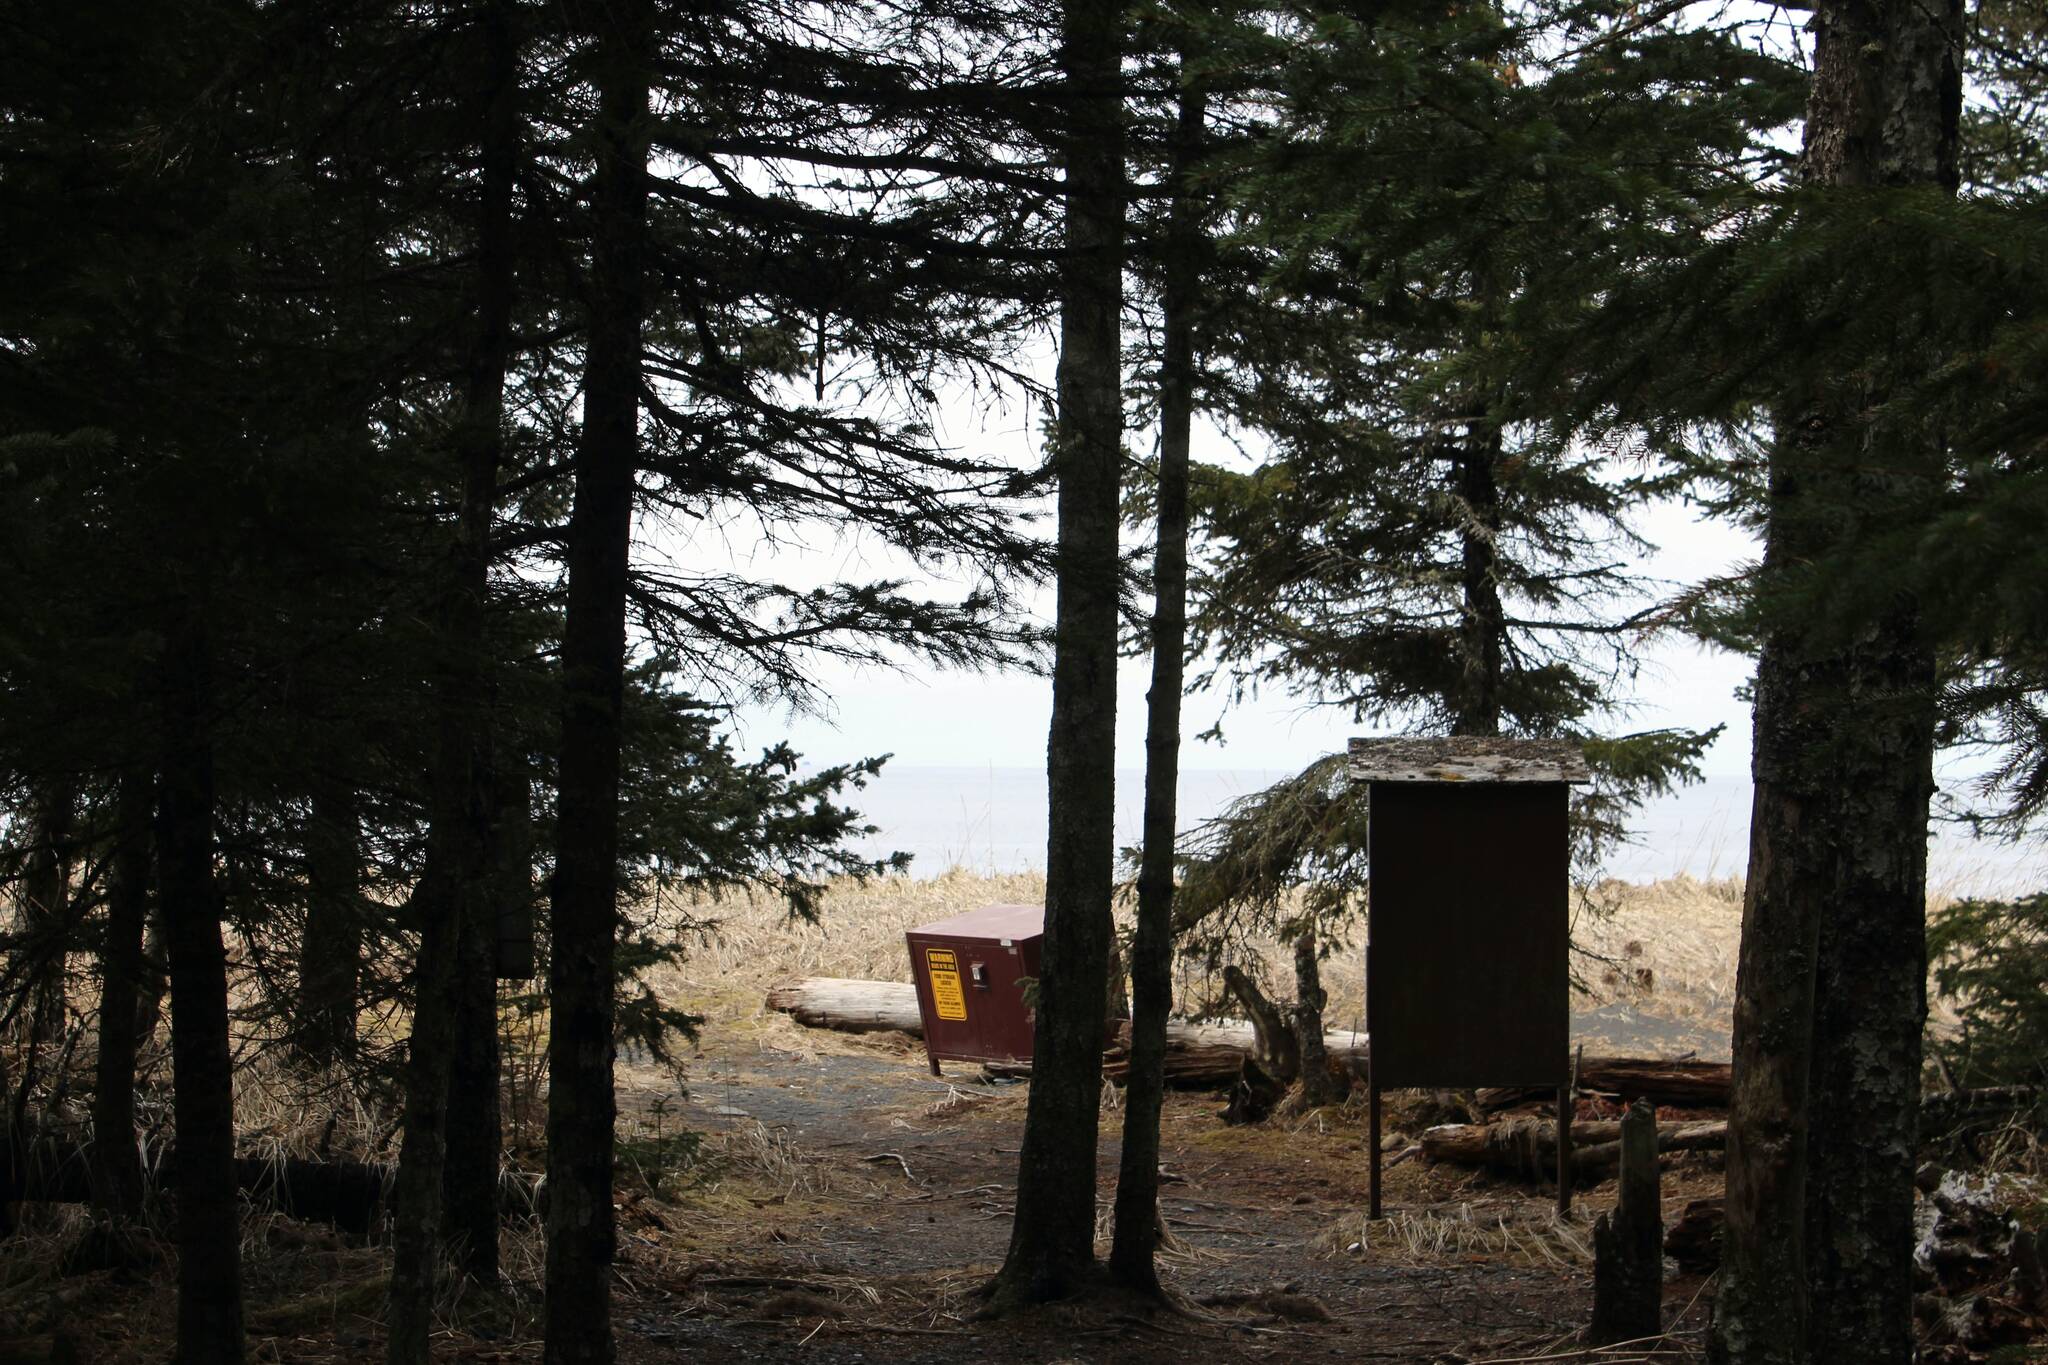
994 820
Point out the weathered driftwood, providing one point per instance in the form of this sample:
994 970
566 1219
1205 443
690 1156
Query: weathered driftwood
350 1195
1197 1055
848 1005
1207 1056
1254 1095
1527 1147
1628 1251
1277 1051
1688 1084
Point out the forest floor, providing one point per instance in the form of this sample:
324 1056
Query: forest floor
875 1200
790 1194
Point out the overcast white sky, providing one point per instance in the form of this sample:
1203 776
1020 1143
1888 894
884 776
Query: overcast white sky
943 718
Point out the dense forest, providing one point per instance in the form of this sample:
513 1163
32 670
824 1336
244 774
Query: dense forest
373 377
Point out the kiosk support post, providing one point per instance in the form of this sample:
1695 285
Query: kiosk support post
1564 1149
1372 1141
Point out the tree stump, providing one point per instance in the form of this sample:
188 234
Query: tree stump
1628 1245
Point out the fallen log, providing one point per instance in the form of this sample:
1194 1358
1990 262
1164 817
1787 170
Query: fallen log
349 1195
1198 1056
1205 1056
1527 1147
1211 1054
849 1006
1686 1084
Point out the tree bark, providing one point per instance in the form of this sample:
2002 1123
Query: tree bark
1482 621
1760 1310
493 946
474 1139
209 1232
1869 1002
116 1165
1051 1253
475 1128
330 954
1135 1236
1278 1050
580 1233
1818 1242
512 954
1319 1084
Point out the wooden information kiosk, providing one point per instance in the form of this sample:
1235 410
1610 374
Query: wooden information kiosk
1468 910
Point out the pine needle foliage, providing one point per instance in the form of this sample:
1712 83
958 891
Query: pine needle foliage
1426 546
1990 960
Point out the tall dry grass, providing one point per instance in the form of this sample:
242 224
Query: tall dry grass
1659 957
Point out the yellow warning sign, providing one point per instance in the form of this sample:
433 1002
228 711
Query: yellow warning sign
944 969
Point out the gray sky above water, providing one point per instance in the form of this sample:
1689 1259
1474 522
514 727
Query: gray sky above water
936 718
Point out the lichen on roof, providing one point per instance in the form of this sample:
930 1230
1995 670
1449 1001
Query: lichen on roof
1467 758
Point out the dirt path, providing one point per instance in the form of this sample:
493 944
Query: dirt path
818 1199
873 1200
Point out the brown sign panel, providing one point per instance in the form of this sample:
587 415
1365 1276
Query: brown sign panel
1465 965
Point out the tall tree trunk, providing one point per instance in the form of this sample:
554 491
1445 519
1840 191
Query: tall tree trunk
416 1195
1136 1225
495 945
460 836
469 1180
155 977
46 897
512 839
209 1213
1052 1241
476 1124
470 1177
1871 970
580 1233
1828 1016
116 1164
1482 622
1760 1312
1869 1015
330 954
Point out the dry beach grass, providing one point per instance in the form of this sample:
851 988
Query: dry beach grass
1655 959
778 1148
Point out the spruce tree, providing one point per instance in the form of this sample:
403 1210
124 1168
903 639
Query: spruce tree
1182 256
117 1179
1429 544
1822 1140
584 897
1052 1241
